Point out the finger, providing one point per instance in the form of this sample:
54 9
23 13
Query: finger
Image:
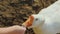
20 29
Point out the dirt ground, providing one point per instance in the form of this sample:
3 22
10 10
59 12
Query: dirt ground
15 12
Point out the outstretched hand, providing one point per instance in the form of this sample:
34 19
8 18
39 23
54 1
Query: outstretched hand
13 30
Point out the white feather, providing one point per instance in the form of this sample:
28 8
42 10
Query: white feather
49 18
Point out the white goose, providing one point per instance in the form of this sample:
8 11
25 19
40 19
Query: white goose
47 21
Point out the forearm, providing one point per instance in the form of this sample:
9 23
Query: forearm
13 30
6 30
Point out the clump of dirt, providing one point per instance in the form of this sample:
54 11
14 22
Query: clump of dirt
15 12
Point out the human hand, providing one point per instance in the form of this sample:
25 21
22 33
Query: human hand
13 30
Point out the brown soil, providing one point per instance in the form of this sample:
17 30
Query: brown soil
15 12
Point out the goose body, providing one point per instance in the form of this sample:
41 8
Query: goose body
47 21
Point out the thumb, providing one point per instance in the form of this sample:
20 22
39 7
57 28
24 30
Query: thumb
22 28
19 27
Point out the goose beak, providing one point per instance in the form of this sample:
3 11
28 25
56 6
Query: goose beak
28 22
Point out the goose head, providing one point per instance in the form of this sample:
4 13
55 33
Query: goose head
33 21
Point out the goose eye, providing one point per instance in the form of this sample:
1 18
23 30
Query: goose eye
36 19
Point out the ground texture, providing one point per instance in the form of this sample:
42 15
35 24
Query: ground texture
15 12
